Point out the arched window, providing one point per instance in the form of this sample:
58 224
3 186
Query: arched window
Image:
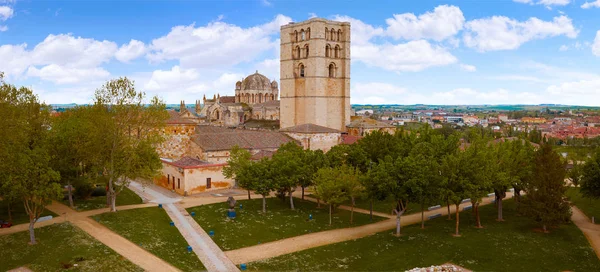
252 100
337 51
326 34
332 35
302 34
308 33
298 52
306 48
331 70
301 69
295 36
339 35
327 49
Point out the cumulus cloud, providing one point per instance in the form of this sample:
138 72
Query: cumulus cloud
173 78
361 32
217 43
503 33
130 51
468 68
594 4
15 59
69 51
563 48
441 23
596 44
6 12
547 3
413 56
64 75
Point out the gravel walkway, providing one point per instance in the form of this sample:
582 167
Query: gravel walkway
591 231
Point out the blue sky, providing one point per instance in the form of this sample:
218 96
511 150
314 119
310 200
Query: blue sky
403 52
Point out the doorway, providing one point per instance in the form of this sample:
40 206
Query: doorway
173 182
208 181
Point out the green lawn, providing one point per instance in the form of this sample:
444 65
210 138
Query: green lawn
252 227
591 207
126 197
511 245
60 246
382 206
149 228
19 215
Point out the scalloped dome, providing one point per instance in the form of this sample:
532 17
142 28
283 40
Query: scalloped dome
256 81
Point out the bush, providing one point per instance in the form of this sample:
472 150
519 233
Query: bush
99 191
83 188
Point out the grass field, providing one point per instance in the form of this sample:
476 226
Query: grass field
126 197
149 228
512 245
60 247
591 207
18 212
252 227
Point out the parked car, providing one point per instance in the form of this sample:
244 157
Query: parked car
4 224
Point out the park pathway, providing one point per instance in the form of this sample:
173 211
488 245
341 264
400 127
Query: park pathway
213 258
307 241
591 231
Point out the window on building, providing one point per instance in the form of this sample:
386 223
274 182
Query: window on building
337 51
208 183
331 70
308 33
327 48
168 179
178 183
326 34
295 36
301 70
306 47
339 35
302 35
297 52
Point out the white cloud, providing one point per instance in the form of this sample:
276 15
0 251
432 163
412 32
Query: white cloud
441 23
15 59
266 3
468 96
130 51
587 5
3 28
503 33
312 15
361 33
6 13
64 75
171 79
596 44
468 68
582 92
563 48
413 56
547 3
217 43
516 78
69 51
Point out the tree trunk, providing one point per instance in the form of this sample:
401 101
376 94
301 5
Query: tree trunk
302 192
422 215
70 195
31 230
500 218
448 206
477 219
113 202
264 204
249 194
371 210
330 214
352 211
291 201
318 202
517 196
457 219
398 227
111 195
9 213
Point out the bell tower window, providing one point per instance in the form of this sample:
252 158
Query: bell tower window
301 68
332 70
306 47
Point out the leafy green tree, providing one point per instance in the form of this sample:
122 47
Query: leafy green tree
590 180
424 179
329 186
24 161
576 173
351 178
545 201
479 175
454 182
287 169
126 144
260 177
312 161
239 159
393 175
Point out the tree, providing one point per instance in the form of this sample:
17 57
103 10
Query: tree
590 181
352 186
126 144
479 175
545 201
239 159
424 178
393 175
287 169
576 173
311 162
24 161
454 168
260 177
329 186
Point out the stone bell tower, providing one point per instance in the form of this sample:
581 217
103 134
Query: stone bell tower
315 74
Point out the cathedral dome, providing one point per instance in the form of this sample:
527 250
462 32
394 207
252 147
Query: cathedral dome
256 81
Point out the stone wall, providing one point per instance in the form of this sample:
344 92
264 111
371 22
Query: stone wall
315 141
177 141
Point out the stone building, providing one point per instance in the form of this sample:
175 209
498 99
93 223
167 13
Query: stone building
314 137
361 126
256 89
315 74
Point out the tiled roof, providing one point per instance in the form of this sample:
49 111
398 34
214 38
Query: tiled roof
349 139
262 154
189 161
174 118
368 123
211 138
310 128
227 99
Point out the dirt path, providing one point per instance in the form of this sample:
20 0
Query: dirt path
303 242
591 231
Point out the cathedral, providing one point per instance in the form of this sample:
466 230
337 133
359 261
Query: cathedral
256 98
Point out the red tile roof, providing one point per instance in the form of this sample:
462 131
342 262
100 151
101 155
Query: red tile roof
309 128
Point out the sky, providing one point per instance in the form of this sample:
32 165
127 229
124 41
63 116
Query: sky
403 51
